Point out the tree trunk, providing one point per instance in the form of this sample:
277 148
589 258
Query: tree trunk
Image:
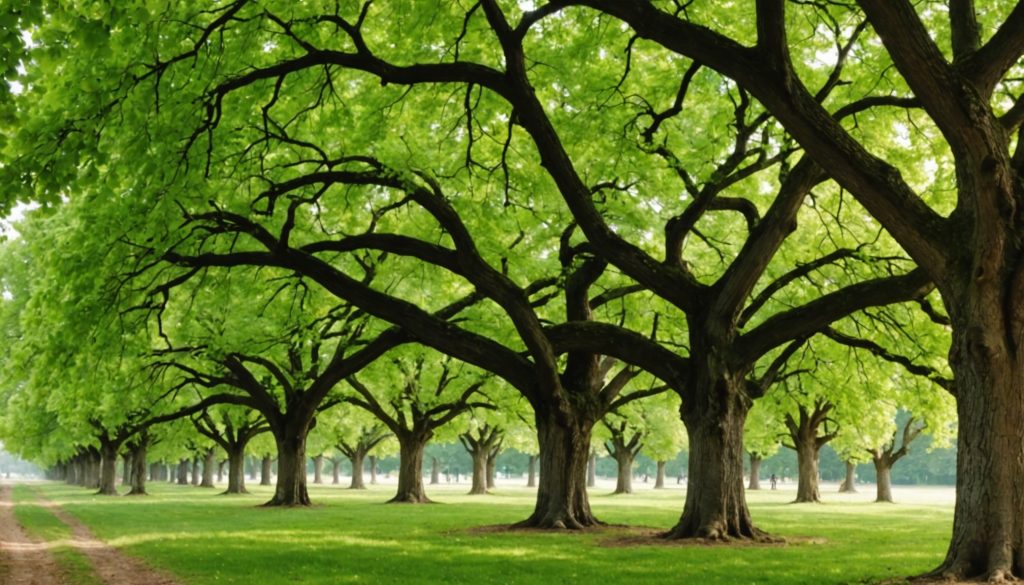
138 470
883 479
265 470
92 468
195 470
209 465
373 470
183 472
659 477
253 469
716 505
755 472
562 492
479 484
318 470
108 470
357 470
335 471
410 468
531 471
435 471
592 470
492 468
236 469
807 453
624 481
849 485
220 470
291 468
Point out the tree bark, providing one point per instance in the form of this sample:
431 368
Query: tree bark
291 468
849 485
108 469
492 468
659 477
209 467
716 505
373 470
236 470
356 459
435 471
318 469
220 470
807 454
883 480
266 471
755 472
183 472
195 470
410 468
253 469
126 469
138 469
562 491
531 471
624 481
335 471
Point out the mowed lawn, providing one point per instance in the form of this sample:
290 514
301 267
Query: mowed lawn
353 537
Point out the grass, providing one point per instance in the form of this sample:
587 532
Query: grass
39 523
352 537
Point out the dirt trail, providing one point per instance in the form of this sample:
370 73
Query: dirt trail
23 561
30 563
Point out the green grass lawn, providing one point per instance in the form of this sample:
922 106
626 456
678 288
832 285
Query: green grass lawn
41 524
352 537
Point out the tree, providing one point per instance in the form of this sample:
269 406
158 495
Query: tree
481 441
762 435
232 429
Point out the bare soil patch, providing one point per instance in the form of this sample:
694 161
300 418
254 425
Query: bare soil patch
23 561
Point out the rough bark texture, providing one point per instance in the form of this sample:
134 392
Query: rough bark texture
807 455
624 479
849 485
138 470
883 481
659 476
716 506
410 468
478 486
562 492
290 489
755 472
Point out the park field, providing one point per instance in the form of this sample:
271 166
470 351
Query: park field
353 537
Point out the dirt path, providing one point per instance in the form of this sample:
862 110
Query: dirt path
109 564
23 561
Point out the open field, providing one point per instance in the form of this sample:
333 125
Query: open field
352 537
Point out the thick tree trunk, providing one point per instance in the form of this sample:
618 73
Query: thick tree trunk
849 485
883 480
592 469
236 470
183 472
357 471
335 471
988 523
479 484
755 472
253 464
492 469
807 453
562 491
138 470
108 470
266 471
291 468
659 476
209 465
624 481
716 505
93 463
410 468
195 470
318 470
435 471
220 470
531 471
373 470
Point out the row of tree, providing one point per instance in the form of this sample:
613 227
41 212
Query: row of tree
582 204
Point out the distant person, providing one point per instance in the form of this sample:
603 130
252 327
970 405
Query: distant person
775 481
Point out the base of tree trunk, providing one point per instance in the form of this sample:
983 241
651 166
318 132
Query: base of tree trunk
241 492
562 521
409 499
137 492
